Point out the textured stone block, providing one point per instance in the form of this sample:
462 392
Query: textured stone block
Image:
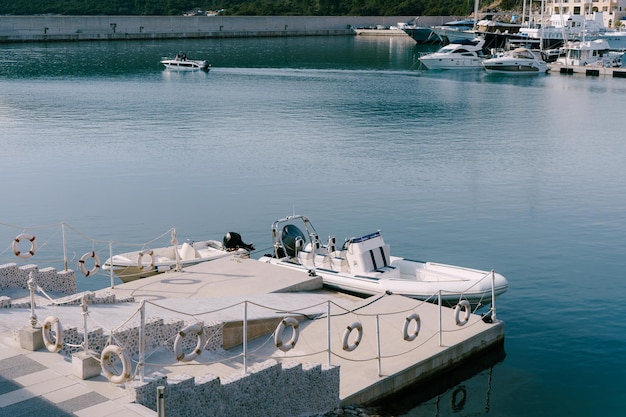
85 366
31 338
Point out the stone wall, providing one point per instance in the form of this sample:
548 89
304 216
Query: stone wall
76 28
12 276
268 389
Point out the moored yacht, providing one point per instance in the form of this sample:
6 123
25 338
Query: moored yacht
459 55
519 61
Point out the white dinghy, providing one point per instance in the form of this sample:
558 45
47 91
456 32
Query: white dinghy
134 265
364 266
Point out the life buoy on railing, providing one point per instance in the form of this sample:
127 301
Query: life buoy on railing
107 365
148 252
52 323
16 245
465 306
409 337
198 329
280 329
349 347
96 263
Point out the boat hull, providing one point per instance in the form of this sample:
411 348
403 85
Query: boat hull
447 63
419 280
132 266
185 65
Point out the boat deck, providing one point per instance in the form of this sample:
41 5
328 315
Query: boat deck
382 365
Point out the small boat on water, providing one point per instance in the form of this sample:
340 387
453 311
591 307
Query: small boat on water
134 265
364 266
519 61
379 30
181 63
461 54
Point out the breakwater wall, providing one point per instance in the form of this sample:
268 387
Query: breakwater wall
89 28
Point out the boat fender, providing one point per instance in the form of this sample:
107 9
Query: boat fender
357 340
198 329
148 252
52 323
96 263
405 331
280 329
465 306
16 245
107 366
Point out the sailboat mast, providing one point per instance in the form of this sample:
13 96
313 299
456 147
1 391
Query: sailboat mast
542 25
475 14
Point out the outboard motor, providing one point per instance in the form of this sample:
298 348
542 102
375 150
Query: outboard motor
233 241
290 236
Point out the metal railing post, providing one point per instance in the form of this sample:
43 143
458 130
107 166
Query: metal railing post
160 401
440 319
111 264
142 339
245 337
85 312
378 345
64 246
31 289
493 295
328 328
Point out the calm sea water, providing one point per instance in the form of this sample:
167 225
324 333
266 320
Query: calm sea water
523 175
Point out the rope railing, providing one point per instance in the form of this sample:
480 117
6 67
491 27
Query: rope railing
31 242
347 328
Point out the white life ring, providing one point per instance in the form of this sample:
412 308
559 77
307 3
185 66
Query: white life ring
295 333
346 334
107 366
16 245
96 263
405 331
196 328
465 306
148 252
52 323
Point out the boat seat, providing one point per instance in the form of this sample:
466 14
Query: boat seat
367 260
188 252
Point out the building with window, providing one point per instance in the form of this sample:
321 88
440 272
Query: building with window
613 11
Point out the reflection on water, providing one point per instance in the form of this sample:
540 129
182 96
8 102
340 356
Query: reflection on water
466 389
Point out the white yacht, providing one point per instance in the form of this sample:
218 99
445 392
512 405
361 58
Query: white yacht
590 53
181 63
519 61
461 54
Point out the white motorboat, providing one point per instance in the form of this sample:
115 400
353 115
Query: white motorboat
364 266
519 61
615 38
181 63
590 53
143 263
461 54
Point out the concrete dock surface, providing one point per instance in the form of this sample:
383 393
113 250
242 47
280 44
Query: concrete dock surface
381 363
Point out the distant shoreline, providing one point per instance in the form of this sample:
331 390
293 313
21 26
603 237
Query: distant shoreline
89 28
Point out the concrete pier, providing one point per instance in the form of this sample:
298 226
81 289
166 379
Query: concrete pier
589 71
400 342
90 28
